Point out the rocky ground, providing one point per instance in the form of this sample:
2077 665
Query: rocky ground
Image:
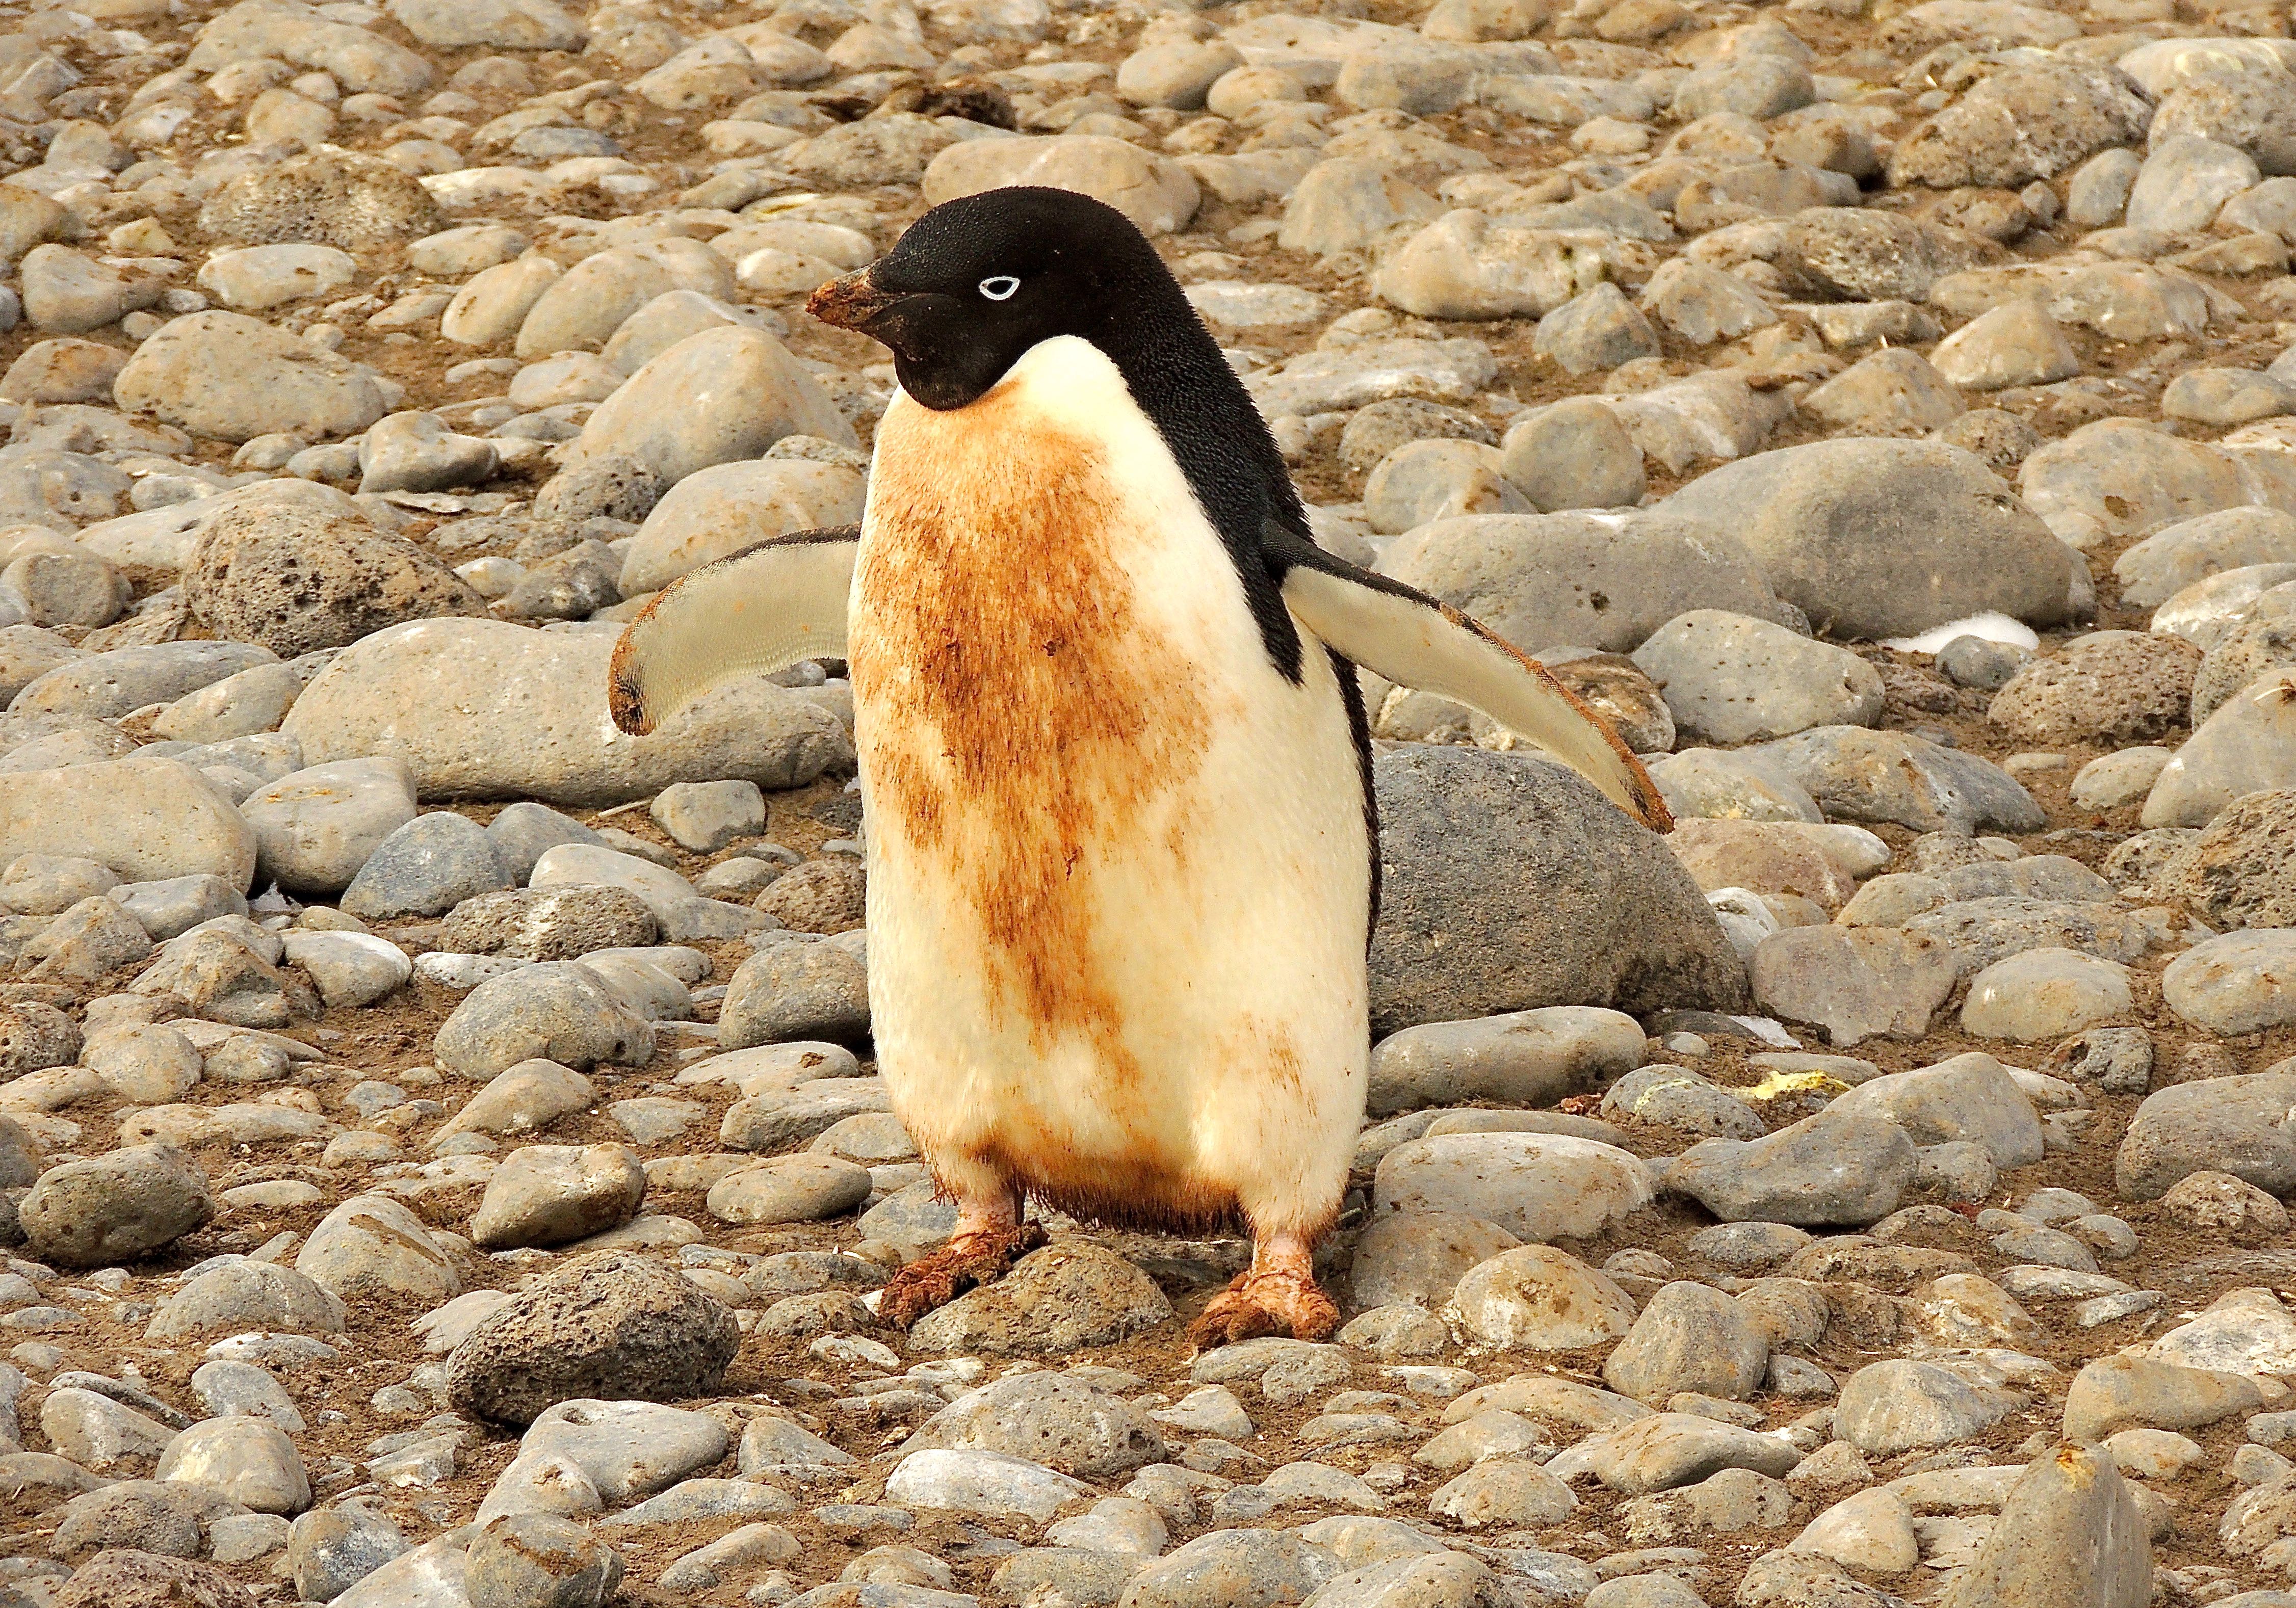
442 1162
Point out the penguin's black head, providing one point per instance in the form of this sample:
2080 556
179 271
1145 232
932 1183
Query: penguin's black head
975 283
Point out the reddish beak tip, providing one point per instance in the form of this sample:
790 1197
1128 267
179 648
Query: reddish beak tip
849 302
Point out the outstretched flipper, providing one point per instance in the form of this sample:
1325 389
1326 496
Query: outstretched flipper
761 609
1414 641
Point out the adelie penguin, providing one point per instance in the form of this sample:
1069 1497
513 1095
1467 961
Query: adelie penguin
1123 857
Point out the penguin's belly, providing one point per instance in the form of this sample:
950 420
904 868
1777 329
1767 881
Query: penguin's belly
1119 864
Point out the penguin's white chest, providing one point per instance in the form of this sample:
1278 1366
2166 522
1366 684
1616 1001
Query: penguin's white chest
1118 877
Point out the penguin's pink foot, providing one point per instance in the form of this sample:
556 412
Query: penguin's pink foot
1276 1295
972 1257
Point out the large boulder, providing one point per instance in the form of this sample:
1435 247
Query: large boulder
1875 538
484 708
2124 477
2236 1125
2023 123
146 818
613 1326
234 377
1545 580
1510 883
296 579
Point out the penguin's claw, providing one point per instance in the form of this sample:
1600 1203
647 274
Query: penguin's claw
1265 1302
967 1261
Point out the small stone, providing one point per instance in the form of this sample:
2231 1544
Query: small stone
1689 1337
332 1549
1535 1297
1048 1418
1053 1301
552 1194
426 867
540 1560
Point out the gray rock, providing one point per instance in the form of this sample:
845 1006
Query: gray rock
233 377
372 1248
1858 254
1674 1097
627 1448
553 1194
426 867
2011 345
530 718
2108 687
1539 1187
2185 181
2191 550
140 1515
1838 1169
612 1325
704 816
2240 748
2033 121
89 940
1596 329
1856 982
249 1460
996 1484
1465 265
715 398
1535 580
1420 1255
104 686
317 827
2070 1532
115 1208
1241 1568
1731 679
524 1099
1856 775
790 1189
1048 1418
524 831
1888 1408
332 1549
540 1560
1689 1337
1641 938
1573 454
1524 1058
1537 1299
1885 538
790 992
1969 1097
244 1295
126 1578
1667 1451
557 1010
2228 1125
1055 1300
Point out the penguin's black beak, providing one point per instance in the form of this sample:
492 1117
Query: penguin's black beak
852 302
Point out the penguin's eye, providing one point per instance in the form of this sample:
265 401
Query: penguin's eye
1000 287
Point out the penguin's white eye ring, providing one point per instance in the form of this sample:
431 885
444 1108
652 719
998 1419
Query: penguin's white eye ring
1000 287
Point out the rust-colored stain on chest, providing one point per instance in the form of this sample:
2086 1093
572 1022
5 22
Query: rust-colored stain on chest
997 631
